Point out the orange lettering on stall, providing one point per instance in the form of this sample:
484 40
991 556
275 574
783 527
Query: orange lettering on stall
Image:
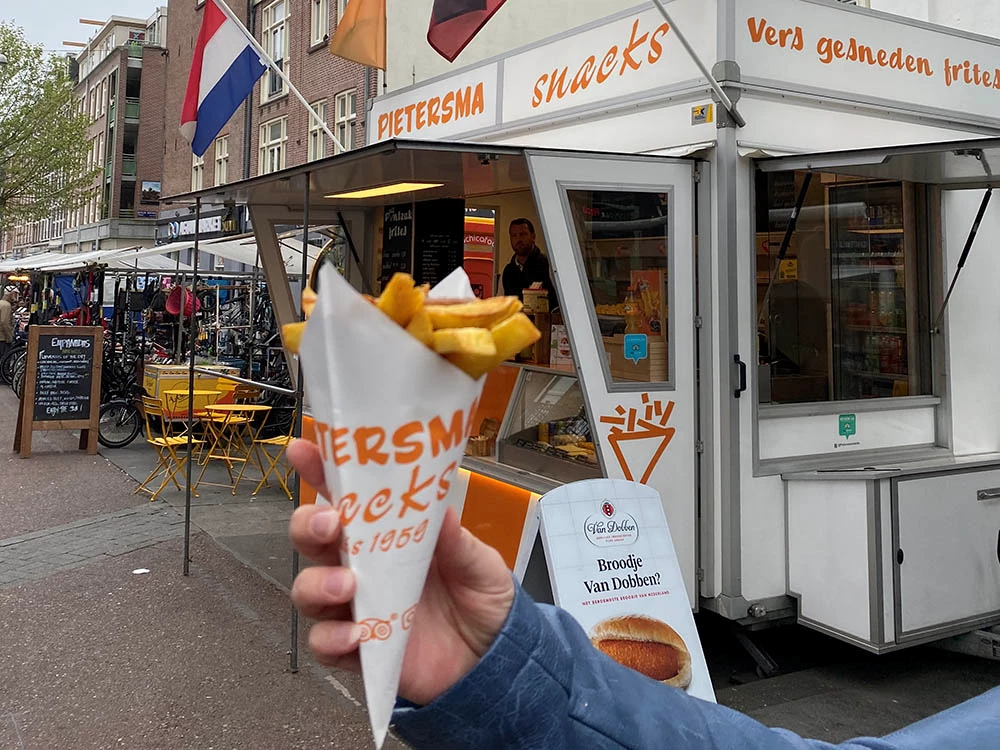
461 104
642 48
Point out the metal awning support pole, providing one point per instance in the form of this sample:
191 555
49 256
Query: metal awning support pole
793 222
936 328
723 96
190 415
297 426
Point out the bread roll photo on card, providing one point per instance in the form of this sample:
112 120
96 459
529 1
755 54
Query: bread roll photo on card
647 645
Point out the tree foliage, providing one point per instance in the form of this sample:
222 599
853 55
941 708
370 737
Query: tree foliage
43 134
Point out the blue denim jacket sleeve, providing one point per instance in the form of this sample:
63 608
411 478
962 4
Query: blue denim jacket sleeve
542 685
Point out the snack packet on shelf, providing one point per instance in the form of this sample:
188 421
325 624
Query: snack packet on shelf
394 385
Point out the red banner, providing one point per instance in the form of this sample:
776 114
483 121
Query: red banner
454 23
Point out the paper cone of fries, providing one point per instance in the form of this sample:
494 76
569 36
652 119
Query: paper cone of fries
393 418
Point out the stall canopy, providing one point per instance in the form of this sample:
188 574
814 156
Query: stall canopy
134 258
956 165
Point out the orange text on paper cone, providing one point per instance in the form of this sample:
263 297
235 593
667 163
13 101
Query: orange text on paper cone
405 445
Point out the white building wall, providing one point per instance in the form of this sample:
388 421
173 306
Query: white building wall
410 60
977 16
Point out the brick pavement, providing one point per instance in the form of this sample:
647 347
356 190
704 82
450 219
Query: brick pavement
37 554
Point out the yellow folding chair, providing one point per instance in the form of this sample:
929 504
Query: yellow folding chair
280 442
169 462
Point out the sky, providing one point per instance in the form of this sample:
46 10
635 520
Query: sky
50 22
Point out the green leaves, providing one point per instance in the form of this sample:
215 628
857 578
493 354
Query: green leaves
43 134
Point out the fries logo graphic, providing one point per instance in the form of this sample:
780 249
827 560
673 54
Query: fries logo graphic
629 426
475 336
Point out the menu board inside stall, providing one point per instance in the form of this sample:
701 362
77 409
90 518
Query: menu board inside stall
439 239
62 384
397 241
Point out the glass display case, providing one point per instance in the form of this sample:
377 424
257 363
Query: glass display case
873 318
546 430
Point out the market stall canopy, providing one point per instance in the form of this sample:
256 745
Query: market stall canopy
955 165
383 174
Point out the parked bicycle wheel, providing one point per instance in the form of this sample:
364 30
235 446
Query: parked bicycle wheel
17 375
7 364
120 423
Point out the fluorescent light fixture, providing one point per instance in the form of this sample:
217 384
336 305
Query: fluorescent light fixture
394 189
19 277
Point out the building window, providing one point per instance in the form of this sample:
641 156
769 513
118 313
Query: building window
341 7
346 116
273 135
222 160
317 138
843 314
197 172
320 21
275 42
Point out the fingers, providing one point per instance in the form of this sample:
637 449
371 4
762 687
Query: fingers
324 593
304 456
315 531
335 644
461 557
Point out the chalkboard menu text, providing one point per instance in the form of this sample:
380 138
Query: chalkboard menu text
63 377
397 241
439 239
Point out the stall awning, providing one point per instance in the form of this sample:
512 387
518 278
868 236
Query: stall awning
955 165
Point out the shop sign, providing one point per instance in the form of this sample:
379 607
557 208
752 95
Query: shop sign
456 104
612 565
702 114
628 56
185 228
809 46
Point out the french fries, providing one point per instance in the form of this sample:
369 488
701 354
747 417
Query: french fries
474 336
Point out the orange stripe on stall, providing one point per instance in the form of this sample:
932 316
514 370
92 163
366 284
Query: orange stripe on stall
496 512
307 493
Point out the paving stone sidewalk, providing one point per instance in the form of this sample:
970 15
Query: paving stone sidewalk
37 554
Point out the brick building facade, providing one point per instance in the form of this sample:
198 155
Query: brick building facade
296 32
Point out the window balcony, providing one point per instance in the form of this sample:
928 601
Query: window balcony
132 109
128 165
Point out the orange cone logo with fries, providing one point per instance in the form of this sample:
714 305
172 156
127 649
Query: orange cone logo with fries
629 427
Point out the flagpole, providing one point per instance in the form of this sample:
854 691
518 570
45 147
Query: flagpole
274 66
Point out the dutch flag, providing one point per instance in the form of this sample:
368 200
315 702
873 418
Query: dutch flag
223 73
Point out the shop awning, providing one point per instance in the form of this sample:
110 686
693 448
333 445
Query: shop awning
955 165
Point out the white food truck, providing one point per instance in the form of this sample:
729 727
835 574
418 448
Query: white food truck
749 318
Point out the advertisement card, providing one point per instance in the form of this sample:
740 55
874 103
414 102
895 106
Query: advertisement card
613 567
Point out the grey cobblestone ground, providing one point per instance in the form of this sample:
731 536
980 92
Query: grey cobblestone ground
37 554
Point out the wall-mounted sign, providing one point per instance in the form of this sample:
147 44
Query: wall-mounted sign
150 192
185 228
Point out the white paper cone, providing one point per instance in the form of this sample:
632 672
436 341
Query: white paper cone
393 419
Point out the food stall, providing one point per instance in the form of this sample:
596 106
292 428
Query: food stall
751 319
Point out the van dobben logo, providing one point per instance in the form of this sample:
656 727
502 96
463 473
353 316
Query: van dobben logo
609 528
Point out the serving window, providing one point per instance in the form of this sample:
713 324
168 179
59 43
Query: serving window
624 244
843 314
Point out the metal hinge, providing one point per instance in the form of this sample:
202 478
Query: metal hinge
699 446
697 174
701 574
698 322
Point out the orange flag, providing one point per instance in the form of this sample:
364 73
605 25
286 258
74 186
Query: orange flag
360 34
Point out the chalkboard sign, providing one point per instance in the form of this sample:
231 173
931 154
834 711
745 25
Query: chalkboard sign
439 239
397 241
63 377
62 384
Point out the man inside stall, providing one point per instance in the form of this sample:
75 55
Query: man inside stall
528 265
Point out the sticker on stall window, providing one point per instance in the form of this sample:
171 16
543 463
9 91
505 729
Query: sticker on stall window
848 425
636 347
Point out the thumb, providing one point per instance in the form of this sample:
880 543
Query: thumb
465 560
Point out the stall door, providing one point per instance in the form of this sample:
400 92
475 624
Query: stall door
620 236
